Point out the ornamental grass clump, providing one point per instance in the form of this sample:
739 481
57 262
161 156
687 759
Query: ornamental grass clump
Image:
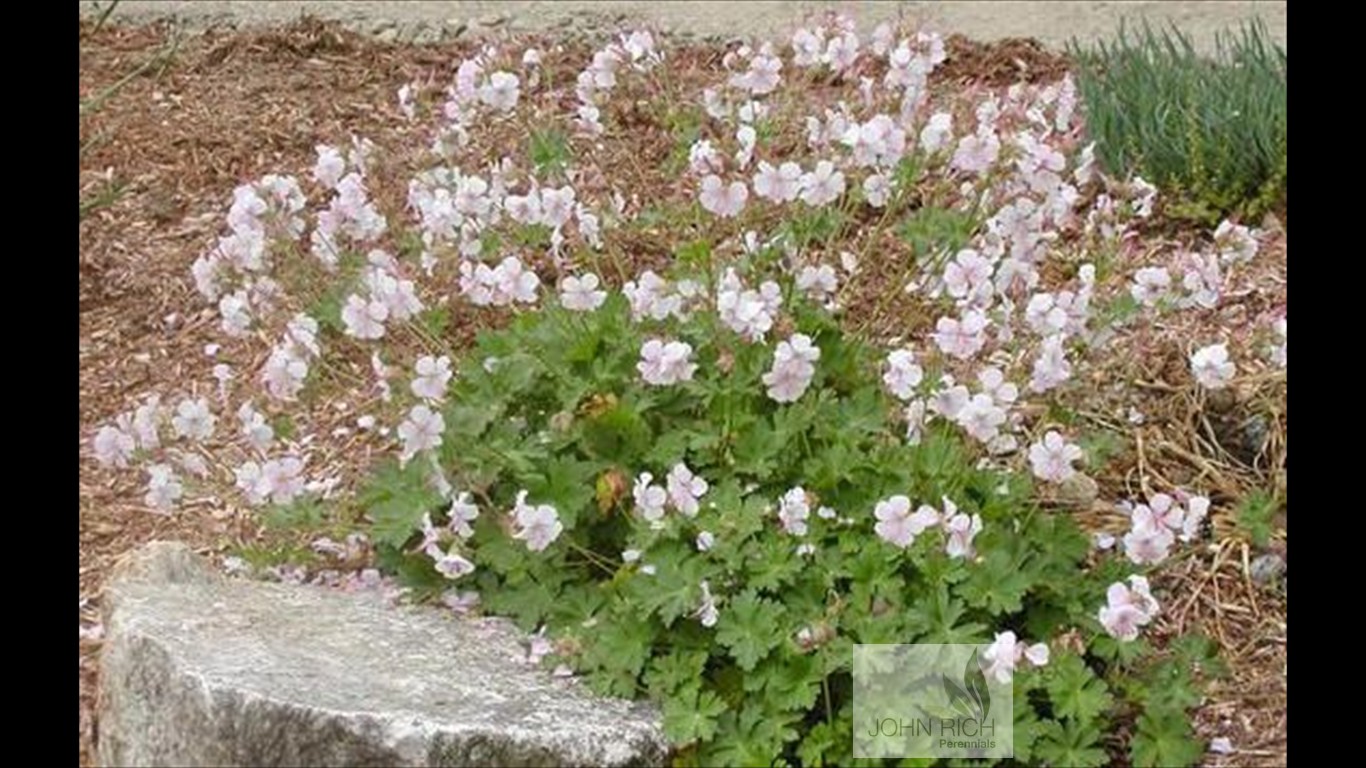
1210 131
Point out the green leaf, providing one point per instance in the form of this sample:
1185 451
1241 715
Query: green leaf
1254 516
749 627
1070 743
396 499
1075 690
1164 738
691 716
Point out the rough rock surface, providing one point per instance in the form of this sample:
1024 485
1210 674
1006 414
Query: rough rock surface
1052 21
200 670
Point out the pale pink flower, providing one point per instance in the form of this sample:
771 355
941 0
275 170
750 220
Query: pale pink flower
897 525
778 185
581 294
1052 457
1211 366
650 498
431 377
976 153
961 338
793 510
113 446
537 525
823 185
364 319
903 375
420 431
721 199
501 91
664 363
961 529
685 489
194 420
1127 608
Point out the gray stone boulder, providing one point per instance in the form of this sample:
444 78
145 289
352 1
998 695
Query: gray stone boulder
198 669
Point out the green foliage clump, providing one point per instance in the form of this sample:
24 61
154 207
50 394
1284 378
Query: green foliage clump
1211 131
553 407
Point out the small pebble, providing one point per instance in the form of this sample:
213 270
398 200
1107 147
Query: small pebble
1267 568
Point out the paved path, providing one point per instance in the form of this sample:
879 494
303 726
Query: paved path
1052 22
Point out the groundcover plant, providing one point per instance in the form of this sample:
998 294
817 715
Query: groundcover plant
762 370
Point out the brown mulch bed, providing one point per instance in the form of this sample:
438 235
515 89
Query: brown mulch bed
227 106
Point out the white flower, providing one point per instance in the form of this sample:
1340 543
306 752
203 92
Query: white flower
452 565
961 529
793 368
1197 508
1236 243
705 541
937 130
538 525
762 76
665 363
581 294
1149 539
778 185
967 273
1151 284
557 206
1051 368
897 525
113 447
721 199
235 309
420 431
283 479
1052 457
433 376
462 513
994 383
163 488
1128 608
364 319
707 613
817 282
685 489
1005 653
501 91
877 189
981 418
793 510
1211 366
976 153
331 166
1001 657
511 282
961 338
650 499
1045 314
822 186
749 313
903 374
193 419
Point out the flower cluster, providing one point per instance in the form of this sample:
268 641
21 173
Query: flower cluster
1156 526
794 364
899 526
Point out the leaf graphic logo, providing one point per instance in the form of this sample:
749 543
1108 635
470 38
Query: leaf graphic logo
969 698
